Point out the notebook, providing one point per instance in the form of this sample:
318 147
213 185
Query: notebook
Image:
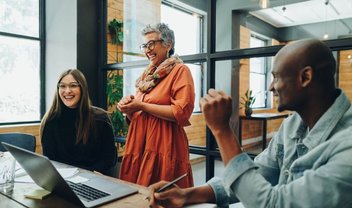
93 192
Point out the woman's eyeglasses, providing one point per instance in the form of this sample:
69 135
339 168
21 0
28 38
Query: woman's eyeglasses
71 86
150 45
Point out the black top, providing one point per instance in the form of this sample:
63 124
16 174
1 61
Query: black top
59 142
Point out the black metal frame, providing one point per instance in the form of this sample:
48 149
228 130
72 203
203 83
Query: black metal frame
42 36
210 56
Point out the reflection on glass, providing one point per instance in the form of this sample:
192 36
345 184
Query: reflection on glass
259 81
223 75
19 80
188 27
244 74
20 17
258 87
197 74
281 21
129 80
198 169
345 69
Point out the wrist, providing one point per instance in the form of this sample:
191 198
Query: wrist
221 132
187 195
142 106
199 194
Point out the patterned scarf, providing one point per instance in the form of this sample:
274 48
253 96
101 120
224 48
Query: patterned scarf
152 75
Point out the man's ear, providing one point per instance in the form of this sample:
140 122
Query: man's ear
306 76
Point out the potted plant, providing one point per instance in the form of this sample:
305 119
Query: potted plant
114 90
115 28
247 102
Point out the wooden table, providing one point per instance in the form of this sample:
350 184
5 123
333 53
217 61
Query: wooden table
264 117
17 199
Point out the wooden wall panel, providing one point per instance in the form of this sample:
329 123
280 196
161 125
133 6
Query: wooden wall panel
345 72
196 133
115 11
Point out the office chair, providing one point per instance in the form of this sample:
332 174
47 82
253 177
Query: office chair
113 171
23 140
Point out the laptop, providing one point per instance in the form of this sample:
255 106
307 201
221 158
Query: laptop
93 192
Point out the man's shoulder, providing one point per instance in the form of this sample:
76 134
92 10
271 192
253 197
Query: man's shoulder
347 117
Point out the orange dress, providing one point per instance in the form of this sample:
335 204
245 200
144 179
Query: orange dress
157 149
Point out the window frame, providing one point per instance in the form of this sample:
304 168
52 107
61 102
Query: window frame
41 40
265 73
209 57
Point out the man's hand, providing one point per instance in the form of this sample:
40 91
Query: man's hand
217 109
172 197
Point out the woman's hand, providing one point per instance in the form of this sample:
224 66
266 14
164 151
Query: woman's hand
124 101
172 197
129 105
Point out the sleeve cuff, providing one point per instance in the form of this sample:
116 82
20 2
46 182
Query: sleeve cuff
221 197
180 115
235 168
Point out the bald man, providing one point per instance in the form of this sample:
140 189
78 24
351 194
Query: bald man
308 163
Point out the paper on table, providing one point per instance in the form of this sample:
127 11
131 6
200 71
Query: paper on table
207 205
201 205
78 179
37 194
237 205
64 172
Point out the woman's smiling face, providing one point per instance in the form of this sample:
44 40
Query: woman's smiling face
69 91
157 53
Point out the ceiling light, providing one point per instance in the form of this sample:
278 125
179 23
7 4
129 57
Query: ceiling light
283 8
326 35
284 11
264 4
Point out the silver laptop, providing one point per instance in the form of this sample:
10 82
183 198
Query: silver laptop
96 191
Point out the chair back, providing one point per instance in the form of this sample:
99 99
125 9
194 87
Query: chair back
114 170
23 140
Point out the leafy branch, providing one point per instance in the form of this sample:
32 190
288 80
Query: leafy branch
247 100
114 90
116 31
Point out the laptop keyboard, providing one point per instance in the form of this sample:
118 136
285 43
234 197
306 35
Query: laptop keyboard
86 192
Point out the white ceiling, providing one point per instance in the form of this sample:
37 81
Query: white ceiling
313 11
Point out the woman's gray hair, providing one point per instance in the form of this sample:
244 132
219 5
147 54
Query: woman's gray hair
165 33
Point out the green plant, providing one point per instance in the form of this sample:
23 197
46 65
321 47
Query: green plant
114 90
115 28
247 101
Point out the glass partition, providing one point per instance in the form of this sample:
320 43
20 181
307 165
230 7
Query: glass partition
20 17
126 19
281 21
246 37
345 71
19 80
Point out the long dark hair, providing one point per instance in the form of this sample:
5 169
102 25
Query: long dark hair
85 123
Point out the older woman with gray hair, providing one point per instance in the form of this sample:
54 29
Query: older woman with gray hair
156 144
